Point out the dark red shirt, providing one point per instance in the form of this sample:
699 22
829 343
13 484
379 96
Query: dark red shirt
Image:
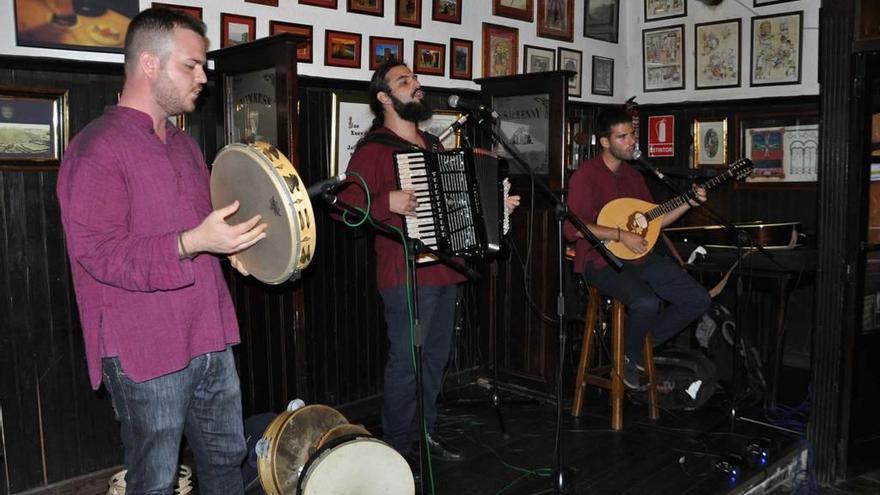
590 188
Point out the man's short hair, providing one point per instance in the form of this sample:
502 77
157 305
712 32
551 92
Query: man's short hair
609 118
378 84
151 30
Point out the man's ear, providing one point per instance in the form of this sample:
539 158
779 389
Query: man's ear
149 63
604 142
383 98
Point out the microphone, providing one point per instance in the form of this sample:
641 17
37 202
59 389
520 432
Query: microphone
662 172
454 101
453 127
637 156
325 185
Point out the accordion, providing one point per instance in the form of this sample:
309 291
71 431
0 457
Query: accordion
461 197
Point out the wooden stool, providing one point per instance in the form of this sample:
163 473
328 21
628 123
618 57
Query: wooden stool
609 377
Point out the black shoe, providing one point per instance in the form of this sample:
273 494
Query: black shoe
631 376
440 451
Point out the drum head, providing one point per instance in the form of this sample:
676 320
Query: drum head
358 466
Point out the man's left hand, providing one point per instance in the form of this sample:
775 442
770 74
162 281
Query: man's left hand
511 202
236 263
701 195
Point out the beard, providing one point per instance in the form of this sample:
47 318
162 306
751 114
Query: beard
620 153
414 111
169 99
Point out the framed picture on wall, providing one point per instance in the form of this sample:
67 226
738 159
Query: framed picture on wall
663 58
656 10
572 60
776 49
761 3
330 4
236 29
603 76
717 57
500 50
783 147
556 19
57 25
600 19
523 10
439 122
186 9
352 119
429 58
408 13
382 49
342 49
447 11
271 3
710 142
537 59
461 59
369 7
33 127
304 50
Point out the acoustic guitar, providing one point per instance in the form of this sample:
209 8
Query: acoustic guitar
644 218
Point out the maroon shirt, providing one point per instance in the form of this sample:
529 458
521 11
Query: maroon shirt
374 161
590 188
124 196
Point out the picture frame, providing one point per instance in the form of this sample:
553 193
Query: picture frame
572 60
330 4
342 49
429 58
186 9
601 18
603 76
717 59
500 50
236 29
304 51
439 122
776 49
408 13
382 49
656 10
447 11
762 3
461 59
523 10
663 58
556 19
249 119
271 3
710 142
538 59
782 146
351 120
57 25
33 127
367 7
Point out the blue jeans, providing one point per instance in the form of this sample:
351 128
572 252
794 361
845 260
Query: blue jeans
202 401
437 315
642 288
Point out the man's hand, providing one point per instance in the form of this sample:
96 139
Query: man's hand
701 195
633 242
235 261
403 202
511 203
214 235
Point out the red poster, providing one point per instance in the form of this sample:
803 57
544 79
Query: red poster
661 135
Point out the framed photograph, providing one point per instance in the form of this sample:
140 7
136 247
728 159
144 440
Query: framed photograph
664 9
523 10
717 57
556 19
58 25
600 20
382 49
342 49
429 58
500 50
461 59
369 7
776 49
408 13
186 9
330 4
33 127
663 58
761 3
271 3
710 142
236 29
603 76
352 119
537 59
572 60
782 147
439 122
303 51
447 11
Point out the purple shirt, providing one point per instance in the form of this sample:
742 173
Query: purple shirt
124 196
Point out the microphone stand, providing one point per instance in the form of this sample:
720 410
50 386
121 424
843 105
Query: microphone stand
562 477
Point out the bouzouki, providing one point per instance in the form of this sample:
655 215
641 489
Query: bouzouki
643 218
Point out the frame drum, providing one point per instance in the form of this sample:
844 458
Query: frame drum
356 465
265 182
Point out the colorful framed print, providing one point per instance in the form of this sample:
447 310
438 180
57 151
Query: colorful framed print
382 49
330 4
537 59
236 29
59 25
271 3
408 13
447 11
776 49
500 50
656 10
439 122
342 49
663 58
556 19
603 76
710 142
601 19
717 58
33 127
369 7
429 58
461 59
186 9
304 50
572 60
783 147
523 10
